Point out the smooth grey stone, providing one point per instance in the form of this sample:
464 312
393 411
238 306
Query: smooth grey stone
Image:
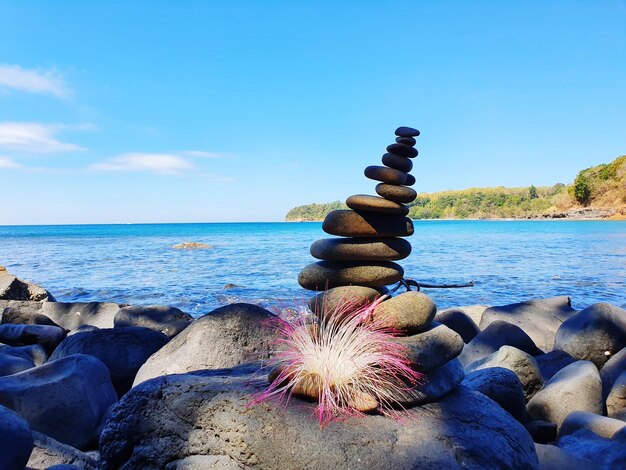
601 425
432 347
616 401
335 299
328 274
385 174
168 320
71 315
24 316
83 329
611 370
523 365
16 440
397 162
540 319
502 386
364 202
228 336
406 140
10 365
361 249
349 223
404 131
34 353
552 362
601 453
458 321
499 333
541 431
475 312
410 311
402 150
577 387
395 193
554 458
593 334
174 417
18 335
49 453
13 288
122 350
63 399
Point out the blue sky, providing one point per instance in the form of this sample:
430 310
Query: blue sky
115 112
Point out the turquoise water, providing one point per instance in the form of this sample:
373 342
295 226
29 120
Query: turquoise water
508 260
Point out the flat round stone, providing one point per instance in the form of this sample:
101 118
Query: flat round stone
402 150
361 249
328 274
409 311
364 202
348 223
404 131
406 141
400 194
384 174
397 162
410 180
336 299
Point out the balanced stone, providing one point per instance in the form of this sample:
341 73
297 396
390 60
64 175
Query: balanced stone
412 311
328 274
410 180
348 223
397 162
400 194
406 141
402 150
404 131
333 299
375 204
361 249
384 174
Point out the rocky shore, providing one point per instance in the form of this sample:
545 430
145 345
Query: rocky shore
534 384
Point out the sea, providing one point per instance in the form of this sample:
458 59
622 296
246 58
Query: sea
508 261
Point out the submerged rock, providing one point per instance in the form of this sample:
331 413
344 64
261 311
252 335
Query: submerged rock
191 246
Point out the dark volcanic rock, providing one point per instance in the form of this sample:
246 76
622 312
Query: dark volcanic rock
168 320
364 202
228 336
384 174
406 140
402 150
502 386
616 401
34 353
19 335
329 274
410 180
552 362
71 315
610 371
599 452
601 425
361 249
541 431
16 441
13 288
397 162
348 223
409 311
122 350
10 365
399 194
170 418
458 321
24 316
404 131
63 399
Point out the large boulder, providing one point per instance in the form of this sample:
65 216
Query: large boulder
601 425
168 320
16 440
24 315
577 387
18 335
552 362
228 336
13 288
523 365
63 399
71 315
209 413
610 371
603 453
593 334
475 312
122 350
540 319
499 333
616 401
410 311
502 386
554 458
34 353
47 453
460 322
10 365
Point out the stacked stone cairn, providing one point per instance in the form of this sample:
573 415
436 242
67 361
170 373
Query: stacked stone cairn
358 264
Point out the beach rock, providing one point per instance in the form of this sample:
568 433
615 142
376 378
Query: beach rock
72 315
552 362
365 202
205 462
541 431
16 441
397 162
399 194
410 180
63 466
208 413
63 399
540 319
10 365
601 453
18 335
328 274
601 425
384 174
593 334
402 150
616 401
554 458
502 386
34 353
409 311
475 312
348 223
610 371
191 246
406 140
520 363
83 329
228 336
499 333
431 348
49 453
361 249
404 131
436 384
24 316
577 387
331 299
168 320
460 322
123 350
13 288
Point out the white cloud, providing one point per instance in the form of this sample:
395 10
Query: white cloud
160 163
8 163
32 81
34 137
202 154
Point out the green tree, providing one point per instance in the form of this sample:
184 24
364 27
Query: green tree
532 192
582 191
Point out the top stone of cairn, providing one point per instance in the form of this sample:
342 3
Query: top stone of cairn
404 131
